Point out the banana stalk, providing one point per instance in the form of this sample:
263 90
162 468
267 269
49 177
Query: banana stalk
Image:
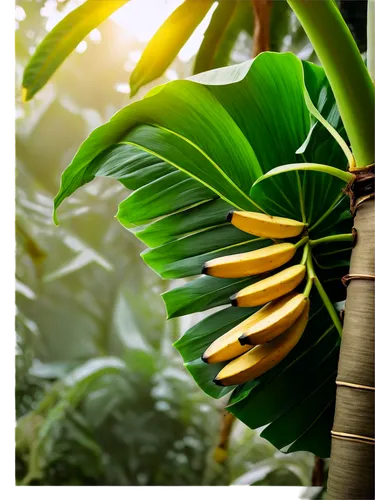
351 471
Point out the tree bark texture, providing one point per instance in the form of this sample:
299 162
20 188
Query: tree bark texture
351 472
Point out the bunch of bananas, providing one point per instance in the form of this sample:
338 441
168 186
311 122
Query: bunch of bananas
261 341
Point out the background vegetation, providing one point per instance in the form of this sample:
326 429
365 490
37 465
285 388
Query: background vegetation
101 394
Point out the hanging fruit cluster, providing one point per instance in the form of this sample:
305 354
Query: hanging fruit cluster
261 341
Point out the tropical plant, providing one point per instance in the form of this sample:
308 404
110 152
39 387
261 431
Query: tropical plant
269 135
269 26
76 434
90 318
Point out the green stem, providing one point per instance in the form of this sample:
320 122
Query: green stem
302 241
332 239
308 287
323 295
305 254
345 70
302 205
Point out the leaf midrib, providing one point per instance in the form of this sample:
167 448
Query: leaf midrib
214 164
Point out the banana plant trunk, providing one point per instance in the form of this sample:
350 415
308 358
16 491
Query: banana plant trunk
351 473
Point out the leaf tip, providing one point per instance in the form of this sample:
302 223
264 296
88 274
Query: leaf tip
134 85
55 218
54 214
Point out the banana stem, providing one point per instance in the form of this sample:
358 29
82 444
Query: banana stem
302 241
323 295
308 287
331 239
305 254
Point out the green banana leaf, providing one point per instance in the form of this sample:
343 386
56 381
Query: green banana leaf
62 40
191 151
229 20
217 31
168 41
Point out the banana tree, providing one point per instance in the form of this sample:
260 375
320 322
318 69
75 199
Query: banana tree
288 138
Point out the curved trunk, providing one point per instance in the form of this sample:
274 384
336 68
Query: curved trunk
351 472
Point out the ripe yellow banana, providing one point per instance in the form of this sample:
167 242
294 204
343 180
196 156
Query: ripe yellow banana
263 357
250 263
228 346
270 288
265 226
279 315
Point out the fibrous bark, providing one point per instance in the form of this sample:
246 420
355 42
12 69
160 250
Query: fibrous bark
351 473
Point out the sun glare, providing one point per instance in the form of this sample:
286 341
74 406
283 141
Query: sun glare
142 18
139 18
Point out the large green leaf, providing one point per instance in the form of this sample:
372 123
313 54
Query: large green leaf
201 294
211 116
62 40
167 42
193 150
205 215
263 100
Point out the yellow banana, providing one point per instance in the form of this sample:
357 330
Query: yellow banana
263 357
270 288
227 346
281 315
250 263
265 226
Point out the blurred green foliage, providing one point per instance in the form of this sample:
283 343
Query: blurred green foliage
102 397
